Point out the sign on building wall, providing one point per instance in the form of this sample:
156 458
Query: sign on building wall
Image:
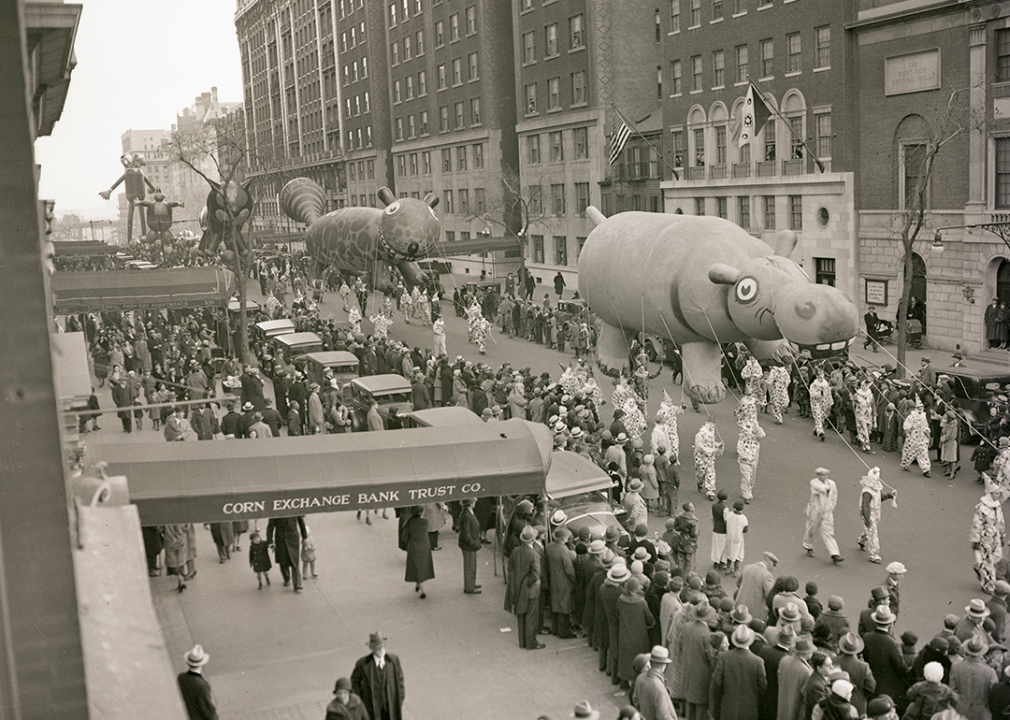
912 72
876 292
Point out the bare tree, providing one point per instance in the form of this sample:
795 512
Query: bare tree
950 121
220 149
512 208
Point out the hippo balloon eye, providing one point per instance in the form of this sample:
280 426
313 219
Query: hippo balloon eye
392 208
747 290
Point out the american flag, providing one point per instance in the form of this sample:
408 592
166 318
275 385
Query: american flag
619 138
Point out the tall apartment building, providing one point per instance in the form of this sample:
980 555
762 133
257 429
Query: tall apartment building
935 72
576 61
797 55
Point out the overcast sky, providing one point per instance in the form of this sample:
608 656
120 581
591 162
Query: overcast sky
139 63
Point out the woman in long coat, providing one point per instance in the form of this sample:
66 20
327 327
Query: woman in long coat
634 620
286 535
420 567
949 445
890 427
177 552
224 535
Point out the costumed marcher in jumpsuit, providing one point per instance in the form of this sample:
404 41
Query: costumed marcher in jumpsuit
706 447
425 308
746 410
821 515
863 403
354 318
666 421
438 328
820 402
748 448
869 510
472 315
988 534
480 331
916 445
778 380
407 305
380 326
752 375
345 292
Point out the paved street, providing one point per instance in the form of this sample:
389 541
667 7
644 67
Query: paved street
277 654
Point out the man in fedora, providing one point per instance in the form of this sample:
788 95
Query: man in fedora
738 681
469 543
794 671
345 705
863 682
756 581
378 680
651 696
997 605
638 513
972 678
878 597
194 687
772 655
883 654
584 711
971 624
522 596
698 658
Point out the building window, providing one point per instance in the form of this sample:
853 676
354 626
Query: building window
825 271
410 87
720 145
419 42
793 52
699 147
457 72
411 127
401 166
742 59
557 148
533 146
475 111
531 99
767 58
396 92
695 13
823 123
454 27
459 115
722 208
558 198
538 248
1003 172
450 236
579 87
478 201
560 250
447 160
461 158
912 157
696 73
535 196
770 140
439 33
425 162
769 212
464 202
471 20
554 93
449 209
699 206
529 47
473 67
392 15
674 16
678 148
718 69
580 137
399 128
581 197
478 156
551 46
822 46
796 138
424 122
743 211
443 118
440 73
676 81
413 164
406 48
795 212
576 38
394 53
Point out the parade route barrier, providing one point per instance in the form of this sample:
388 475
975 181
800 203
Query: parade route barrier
198 482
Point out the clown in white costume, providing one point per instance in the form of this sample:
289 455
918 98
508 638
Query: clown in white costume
777 380
406 305
706 448
626 399
870 499
345 292
438 328
380 326
666 431
916 447
752 375
864 408
354 318
988 534
820 402
748 449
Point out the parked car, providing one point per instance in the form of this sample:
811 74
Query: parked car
448 416
389 390
976 392
269 329
569 310
343 364
583 490
291 346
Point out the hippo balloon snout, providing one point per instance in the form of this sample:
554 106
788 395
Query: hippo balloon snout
806 310
821 315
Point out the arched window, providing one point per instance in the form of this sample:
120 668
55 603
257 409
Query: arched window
696 137
718 119
794 108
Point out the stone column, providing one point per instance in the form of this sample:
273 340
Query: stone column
977 139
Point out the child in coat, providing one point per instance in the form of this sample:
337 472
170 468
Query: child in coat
308 554
259 558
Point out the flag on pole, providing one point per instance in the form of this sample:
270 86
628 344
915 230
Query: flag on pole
752 117
618 138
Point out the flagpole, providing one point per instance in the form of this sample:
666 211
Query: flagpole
635 130
774 110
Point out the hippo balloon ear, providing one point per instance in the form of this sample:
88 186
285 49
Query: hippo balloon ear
246 184
595 215
386 195
431 200
785 243
722 274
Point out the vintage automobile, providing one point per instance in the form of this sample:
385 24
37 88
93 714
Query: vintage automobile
449 416
342 364
389 391
583 490
976 393
292 345
269 329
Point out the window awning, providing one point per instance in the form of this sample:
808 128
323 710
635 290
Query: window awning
197 482
78 292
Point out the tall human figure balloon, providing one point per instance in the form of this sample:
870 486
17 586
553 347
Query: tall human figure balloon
136 188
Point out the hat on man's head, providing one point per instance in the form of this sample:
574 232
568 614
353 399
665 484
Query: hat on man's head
641 530
641 554
895 568
660 655
835 603
879 706
742 637
613 534
741 615
790 613
596 547
248 406
584 711
976 646
804 647
1002 588
618 573
883 616
842 688
621 439
559 518
197 657
977 609
879 593
635 485
525 505
528 535
850 644
771 557
787 638
376 638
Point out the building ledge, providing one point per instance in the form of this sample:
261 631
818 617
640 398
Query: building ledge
51 29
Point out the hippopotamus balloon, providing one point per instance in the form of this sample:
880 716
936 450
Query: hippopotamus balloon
357 240
704 281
